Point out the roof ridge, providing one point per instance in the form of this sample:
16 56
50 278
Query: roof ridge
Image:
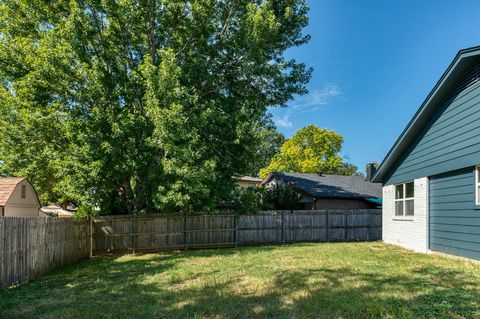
423 112
321 174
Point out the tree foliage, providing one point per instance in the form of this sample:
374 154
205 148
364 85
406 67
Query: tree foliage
280 197
138 105
348 169
254 199
311 150
269 143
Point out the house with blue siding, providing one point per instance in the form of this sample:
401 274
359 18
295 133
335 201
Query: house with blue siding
431 175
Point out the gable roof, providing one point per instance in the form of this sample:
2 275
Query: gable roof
7 186
330 186
445 84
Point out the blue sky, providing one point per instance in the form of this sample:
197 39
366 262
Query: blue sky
374 63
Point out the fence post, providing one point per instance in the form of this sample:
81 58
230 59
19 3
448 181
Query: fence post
112 242
369 227
235 234
90 226
3 251
185 231
283 231
344 226
134 233
168 233
327 226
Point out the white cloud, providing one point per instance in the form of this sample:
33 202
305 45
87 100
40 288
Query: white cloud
320 97
317 98
283 121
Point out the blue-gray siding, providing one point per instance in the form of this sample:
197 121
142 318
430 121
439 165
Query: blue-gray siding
450 141
454 221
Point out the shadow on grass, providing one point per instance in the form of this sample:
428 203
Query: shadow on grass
154 287
334 297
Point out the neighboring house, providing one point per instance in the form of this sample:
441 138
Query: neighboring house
248 181
431 175
58 211
330 191
18 198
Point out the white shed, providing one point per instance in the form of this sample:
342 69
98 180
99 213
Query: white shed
18 198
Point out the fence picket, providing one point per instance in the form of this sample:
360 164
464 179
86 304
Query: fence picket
33 246
171 232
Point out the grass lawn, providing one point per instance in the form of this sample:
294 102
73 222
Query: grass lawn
331 280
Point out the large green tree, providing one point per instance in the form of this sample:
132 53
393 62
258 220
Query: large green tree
141 105
311 150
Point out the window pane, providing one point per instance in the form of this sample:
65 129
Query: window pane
399 191
409 190
409 207
399 208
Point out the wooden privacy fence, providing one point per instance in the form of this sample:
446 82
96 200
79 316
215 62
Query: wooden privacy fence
33 246
113 234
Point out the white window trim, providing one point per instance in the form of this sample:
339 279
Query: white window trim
477 184
404 199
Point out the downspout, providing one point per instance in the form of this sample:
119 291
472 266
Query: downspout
2 208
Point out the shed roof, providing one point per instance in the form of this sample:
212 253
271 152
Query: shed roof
7 186
248 179
445 84
330 186
54 210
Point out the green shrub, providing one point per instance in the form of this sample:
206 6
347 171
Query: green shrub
252 200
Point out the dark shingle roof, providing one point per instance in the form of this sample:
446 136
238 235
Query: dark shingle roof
318 185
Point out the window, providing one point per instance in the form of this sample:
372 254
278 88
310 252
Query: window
24 191
477 184
404 199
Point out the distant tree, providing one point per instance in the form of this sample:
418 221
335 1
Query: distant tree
280 197
142 105
245 200
348 169
269 143
311 150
